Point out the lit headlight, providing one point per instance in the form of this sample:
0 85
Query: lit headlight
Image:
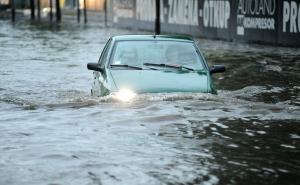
125 95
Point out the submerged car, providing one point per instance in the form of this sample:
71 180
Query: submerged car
134 64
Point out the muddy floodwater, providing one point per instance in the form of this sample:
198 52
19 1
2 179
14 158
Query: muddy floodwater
54 132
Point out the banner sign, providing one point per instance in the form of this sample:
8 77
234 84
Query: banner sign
265 21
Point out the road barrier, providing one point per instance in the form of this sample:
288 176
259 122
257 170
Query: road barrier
264 21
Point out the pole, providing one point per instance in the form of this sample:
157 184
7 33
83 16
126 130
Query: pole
78 11
39 9
32 7
58 11
84 11
157 20
51 12
13 11
105 12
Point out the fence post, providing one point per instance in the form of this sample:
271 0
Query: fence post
78 11
51 12
84 11
32 9
157 20
58 11
39 9
13 11
105 12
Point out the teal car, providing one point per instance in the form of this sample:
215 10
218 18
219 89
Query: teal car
134 64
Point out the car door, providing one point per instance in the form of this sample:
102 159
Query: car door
99 78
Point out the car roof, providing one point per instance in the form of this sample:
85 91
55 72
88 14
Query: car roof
153 37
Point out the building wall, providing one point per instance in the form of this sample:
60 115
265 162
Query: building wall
94 4
4 2
21 3
46 3
90 4
264 21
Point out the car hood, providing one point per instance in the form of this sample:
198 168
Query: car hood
155 81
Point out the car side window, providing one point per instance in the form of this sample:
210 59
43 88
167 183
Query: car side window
103 57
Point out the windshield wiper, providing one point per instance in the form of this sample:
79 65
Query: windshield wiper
169 66
127 66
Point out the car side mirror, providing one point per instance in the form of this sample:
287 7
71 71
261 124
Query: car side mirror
217 69
94 67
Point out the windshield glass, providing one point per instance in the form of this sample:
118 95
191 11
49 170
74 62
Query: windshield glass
137 53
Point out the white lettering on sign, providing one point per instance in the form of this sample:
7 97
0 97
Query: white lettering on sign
216 13
183 12
257 7
145 10
291 16
259 23
255 14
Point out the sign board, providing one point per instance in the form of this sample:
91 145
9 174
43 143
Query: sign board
265 21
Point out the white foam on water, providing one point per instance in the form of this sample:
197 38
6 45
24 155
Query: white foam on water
288 146
233 145
295 136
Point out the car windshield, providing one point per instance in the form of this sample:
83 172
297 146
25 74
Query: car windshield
138 53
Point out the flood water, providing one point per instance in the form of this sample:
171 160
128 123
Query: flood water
54 132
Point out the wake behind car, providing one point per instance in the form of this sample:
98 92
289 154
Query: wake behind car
134 64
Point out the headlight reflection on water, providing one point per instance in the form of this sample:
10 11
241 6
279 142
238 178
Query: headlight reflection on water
125 95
